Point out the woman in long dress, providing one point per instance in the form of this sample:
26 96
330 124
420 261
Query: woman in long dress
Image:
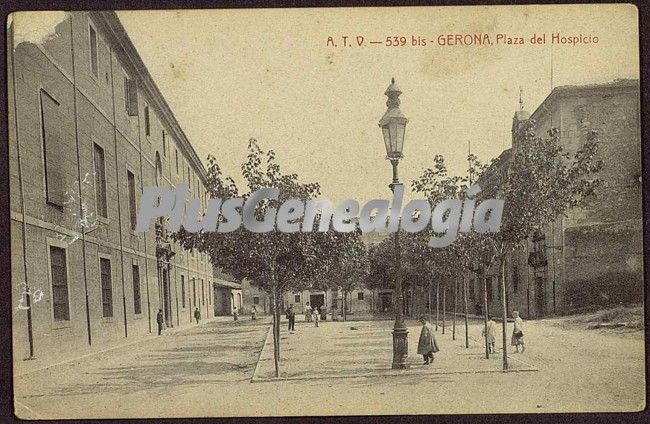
518 333
491 331
427 344
307 313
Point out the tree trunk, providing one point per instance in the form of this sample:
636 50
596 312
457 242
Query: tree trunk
345 306
465 284
485 311
412 301
276 341
502 277
437 303
444 307
430 305
453 326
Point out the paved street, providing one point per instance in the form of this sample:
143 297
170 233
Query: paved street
207 371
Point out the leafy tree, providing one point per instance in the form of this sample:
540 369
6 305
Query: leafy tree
538 181
274 261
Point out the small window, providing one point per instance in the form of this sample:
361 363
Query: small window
202 293
194 291
183 290
296 298
132 200
147 123
94 60
59 274
100 181
360 296
107 287
164 140
137 302
256 300
130 96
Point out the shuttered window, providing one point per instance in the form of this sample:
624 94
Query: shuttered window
107 287
194 292
137 302
100 181
93 51
130 96
164 140
132 201
59 272
202 293
183 290
51 122
147 123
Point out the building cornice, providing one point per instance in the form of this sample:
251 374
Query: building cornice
622 86
119 39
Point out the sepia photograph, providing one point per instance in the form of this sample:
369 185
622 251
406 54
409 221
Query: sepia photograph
331 211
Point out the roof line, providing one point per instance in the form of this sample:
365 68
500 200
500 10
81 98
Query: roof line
115 30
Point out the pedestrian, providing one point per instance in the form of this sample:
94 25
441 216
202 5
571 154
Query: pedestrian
518 333
307 313
316 316
291 316
323 313
160 321
235 313
491 331
427 345
197 315
253 313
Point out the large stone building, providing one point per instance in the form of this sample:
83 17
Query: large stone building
88 129
594 255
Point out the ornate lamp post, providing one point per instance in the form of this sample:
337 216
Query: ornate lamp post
393 125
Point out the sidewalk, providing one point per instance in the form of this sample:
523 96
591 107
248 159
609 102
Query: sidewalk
364 349
23 367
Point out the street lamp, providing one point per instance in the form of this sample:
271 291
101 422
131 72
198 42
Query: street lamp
393 125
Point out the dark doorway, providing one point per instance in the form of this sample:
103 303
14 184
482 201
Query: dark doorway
540 297
385 302
316 300
167 309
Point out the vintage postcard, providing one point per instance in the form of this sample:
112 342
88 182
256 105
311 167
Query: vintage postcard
326 211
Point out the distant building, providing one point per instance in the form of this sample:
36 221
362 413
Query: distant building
88 129
252 295
595 254
227 296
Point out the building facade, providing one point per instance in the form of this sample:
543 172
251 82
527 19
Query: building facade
88 129
594 255
227 297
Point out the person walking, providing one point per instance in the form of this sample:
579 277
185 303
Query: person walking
235 313
160 321
197 315
291 316
316 317
427 344
253 313
307 313
491 331
518 333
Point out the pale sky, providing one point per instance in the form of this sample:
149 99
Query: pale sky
229 75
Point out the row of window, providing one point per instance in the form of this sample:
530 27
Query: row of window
54 167
296 298
60 293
